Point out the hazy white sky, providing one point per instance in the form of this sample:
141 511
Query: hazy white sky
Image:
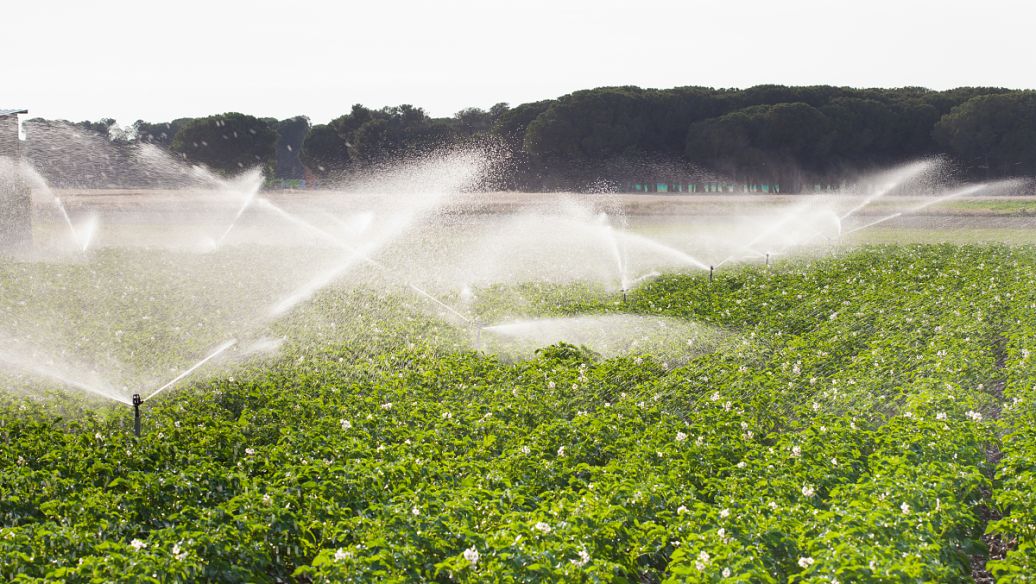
163 59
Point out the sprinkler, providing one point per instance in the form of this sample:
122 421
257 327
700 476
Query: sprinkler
136 414
767 259
624 296
711 270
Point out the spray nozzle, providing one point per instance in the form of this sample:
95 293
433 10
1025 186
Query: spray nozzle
136 414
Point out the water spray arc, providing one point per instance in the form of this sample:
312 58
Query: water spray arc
440 303
783 221
873 223
896 178
956 193
356 254
138 401
622 242
233 222
32 363
636 281
82 236
611 334
64 215
781 236
251 182
216 353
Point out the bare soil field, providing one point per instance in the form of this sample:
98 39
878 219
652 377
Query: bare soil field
148 216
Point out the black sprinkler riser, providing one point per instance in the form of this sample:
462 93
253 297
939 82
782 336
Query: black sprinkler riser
136 414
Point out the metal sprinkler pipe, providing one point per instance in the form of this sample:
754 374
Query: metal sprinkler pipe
711 270
767 259
624 296
136 414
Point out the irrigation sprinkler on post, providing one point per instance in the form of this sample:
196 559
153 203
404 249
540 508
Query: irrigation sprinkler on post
711 270
767 259
136 414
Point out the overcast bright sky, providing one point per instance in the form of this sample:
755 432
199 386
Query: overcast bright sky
164 59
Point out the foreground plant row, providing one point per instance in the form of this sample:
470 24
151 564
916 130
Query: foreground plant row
868 418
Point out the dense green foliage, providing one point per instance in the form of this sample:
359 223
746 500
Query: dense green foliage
791 136
994 132
291 133
160 134
365 136
849 432
324 151
229 142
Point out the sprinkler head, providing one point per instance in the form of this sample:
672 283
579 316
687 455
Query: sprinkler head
624 296
136 414
711 270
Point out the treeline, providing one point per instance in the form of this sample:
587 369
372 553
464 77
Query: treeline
772 134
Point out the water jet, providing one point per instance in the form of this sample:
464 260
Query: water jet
356 254
607 334
219 350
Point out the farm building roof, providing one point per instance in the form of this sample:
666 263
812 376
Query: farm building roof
12 112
